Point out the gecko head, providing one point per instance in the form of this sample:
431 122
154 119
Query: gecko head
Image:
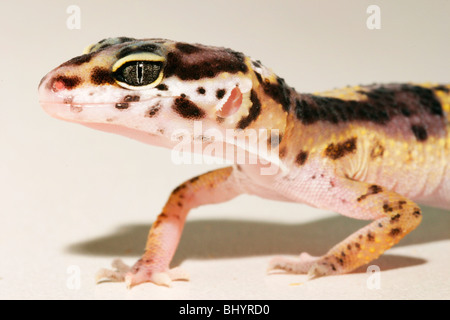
158 91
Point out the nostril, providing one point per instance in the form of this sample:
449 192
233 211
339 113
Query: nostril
58 85
64 83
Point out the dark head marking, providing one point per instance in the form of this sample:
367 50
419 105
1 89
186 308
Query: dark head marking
101 76
220 93
153 110
187 48
122 106
201 90
336 151
187 109
253 113
162 87
420 132
130 98
149 47
205 62
68 82
301 158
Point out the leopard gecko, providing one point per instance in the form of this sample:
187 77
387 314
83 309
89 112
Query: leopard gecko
368 152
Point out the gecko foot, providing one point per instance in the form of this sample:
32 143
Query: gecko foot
139 273
302 264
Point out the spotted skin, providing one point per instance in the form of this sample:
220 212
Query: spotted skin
368 152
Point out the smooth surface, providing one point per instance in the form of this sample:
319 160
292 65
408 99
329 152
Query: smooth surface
73 199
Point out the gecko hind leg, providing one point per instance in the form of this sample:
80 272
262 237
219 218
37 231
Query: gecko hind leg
394 216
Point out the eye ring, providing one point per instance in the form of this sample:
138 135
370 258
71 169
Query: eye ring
139 71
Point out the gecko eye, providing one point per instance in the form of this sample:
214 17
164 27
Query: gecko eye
139 71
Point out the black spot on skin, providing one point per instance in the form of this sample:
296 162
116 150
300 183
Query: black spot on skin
394 232
77 60
382 103
220 120
68 82
333 267
220 93
349 247
380 225
377 151
417 213
257 64
336 151
253 113
282 152
187 48
130 98
122 106
373 189
442 88
187 109
301 158
162 87
420 132
153 111
179 204
179 188
201 90
149 47
259 77
100 76
106 43
358 246
206 62
395 218
183 95
401 203
194 179
370 237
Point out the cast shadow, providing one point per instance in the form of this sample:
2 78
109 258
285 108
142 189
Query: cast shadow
214 239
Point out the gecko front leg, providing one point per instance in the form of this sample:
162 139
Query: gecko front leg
394 216
212 187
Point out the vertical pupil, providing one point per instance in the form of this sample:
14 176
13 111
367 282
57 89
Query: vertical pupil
140 72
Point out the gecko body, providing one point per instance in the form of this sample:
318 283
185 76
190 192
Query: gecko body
367 152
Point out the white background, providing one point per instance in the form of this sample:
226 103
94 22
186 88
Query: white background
72 196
